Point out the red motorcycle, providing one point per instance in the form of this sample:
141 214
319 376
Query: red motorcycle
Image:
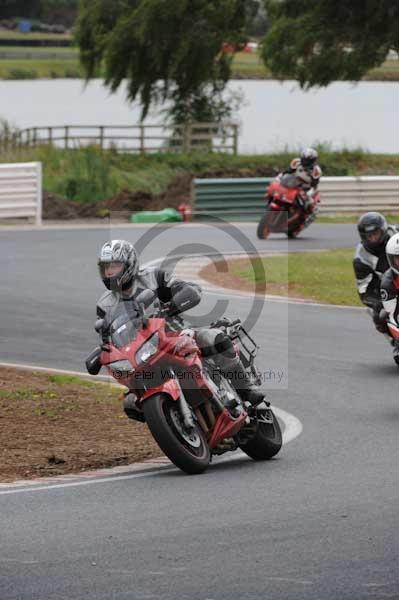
191 409
289 207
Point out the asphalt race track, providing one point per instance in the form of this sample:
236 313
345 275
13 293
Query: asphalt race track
319 522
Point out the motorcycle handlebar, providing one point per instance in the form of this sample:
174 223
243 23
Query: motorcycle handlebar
225 322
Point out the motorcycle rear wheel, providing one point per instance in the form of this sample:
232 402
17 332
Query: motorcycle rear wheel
267 441
188 450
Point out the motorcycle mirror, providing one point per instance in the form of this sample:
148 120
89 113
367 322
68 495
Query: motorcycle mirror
146 298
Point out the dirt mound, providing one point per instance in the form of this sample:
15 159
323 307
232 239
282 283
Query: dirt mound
55 207
126 201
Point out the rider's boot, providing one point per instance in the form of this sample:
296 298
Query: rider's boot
247 391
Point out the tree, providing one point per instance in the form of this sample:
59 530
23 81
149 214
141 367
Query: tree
167 50
256 18
320 41
19 8
55 11
59 11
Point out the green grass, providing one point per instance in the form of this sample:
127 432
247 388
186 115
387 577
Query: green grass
251 65
71 379
37 51
245 65
345 218
15 68
322 276
8 34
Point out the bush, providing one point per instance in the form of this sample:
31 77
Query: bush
18 73
72 73
87 176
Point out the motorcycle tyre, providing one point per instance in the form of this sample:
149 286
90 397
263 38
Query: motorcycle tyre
157 415
264 230
267 441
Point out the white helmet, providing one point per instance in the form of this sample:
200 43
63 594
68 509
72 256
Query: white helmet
392 252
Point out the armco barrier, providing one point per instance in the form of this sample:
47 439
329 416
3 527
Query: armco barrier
242 199
21 191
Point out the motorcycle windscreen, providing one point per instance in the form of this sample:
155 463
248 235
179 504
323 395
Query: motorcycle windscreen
289 180
124 323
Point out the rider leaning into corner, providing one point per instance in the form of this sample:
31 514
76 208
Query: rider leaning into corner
307 172
390 292
370 263
121 274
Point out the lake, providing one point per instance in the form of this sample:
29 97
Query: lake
274 115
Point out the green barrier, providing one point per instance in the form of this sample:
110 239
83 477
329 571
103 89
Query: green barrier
156 216
240 199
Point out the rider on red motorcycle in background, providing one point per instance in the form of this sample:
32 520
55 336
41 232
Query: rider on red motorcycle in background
370 263
390 292
307 171
119 270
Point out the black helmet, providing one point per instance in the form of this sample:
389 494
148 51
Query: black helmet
308 157
368 226
119 258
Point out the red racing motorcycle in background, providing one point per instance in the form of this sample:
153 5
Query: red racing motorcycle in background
289 207
191 409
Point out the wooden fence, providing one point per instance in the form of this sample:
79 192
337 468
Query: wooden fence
130 138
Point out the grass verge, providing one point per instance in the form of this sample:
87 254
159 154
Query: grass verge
245 65
12 34
325 277
39 68
345 218
58 424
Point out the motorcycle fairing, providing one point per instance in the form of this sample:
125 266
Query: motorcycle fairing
226 426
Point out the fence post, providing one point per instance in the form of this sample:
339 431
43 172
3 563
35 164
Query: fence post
34 136
39 193
50 135
142 139
187 136
101 136
235 138
66 136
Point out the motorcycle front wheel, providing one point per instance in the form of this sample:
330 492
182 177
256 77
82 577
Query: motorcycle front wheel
265 226
187 449
266 442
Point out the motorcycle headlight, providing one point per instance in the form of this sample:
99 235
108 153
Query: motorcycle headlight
148 349
120 368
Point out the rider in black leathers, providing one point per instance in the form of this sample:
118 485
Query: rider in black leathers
370 263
